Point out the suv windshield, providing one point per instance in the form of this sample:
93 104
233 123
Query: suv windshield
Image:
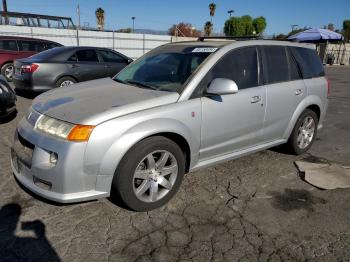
162 71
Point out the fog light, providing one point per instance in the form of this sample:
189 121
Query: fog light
53 158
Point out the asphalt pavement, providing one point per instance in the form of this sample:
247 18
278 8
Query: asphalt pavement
256 208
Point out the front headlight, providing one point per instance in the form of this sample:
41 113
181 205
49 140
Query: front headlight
64 130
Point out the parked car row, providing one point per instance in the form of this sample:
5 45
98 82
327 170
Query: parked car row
12 48
40 65
63 66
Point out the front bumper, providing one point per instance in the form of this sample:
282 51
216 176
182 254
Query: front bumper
65 181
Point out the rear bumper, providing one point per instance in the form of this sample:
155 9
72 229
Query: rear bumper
65 181
28 84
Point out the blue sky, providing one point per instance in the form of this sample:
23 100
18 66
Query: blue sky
161 14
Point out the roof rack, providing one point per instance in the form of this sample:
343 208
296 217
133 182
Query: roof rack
239 38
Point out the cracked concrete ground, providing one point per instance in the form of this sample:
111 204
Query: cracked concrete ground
252 209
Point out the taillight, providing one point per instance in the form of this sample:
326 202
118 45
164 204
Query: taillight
328 87
29 68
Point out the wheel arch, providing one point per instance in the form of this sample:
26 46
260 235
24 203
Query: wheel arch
113 149
66 75
313 103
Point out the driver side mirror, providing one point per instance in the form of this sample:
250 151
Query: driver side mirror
222 86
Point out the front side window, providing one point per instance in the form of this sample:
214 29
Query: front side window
87 56
162 71
8 45
240 65
276 68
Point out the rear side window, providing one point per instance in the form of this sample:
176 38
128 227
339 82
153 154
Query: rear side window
32 46
239 65
8 45
293 67
309 62
276 64
87 55
109 56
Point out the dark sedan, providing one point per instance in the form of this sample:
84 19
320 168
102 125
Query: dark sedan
63 66
7 99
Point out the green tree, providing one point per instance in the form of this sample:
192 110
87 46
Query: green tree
245 25
208 28
259 24
346 30
100 16
212 8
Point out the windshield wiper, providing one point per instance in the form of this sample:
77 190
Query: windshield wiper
140 84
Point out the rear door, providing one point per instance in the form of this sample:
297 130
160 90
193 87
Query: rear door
112 61
233 122
285 89
85 65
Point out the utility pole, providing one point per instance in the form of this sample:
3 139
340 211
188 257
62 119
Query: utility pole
133 24
4 8
78 28
230 12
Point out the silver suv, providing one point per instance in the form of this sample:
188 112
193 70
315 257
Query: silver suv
179 108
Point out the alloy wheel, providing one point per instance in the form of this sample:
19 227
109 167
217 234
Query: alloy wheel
306 132
155 176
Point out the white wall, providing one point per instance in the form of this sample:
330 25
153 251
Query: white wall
132 45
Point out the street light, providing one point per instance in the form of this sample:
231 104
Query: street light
230 12
133 23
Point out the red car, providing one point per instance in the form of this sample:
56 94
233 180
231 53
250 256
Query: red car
12 47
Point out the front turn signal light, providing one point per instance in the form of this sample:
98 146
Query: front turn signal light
80 133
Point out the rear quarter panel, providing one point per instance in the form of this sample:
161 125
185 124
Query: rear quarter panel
49 73
316 95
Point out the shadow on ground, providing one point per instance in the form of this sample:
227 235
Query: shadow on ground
16 248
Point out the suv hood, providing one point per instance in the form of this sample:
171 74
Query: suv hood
94 102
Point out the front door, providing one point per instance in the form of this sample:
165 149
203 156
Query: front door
233 122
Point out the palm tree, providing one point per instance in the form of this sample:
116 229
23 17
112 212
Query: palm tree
208 28
212 8
100 16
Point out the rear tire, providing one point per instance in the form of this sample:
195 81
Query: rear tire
144 184
7 71
65 81
304 133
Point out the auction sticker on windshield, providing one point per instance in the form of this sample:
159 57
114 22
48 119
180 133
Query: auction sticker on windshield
204 50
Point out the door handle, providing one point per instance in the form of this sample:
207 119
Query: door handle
75 66
108 66
298 92
255 99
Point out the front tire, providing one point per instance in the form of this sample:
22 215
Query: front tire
304 133
150 174
7 71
